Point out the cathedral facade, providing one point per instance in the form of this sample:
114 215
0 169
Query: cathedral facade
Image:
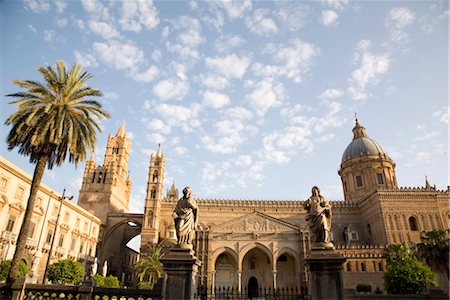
254 243
243 244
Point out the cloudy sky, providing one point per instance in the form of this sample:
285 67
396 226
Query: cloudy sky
251 100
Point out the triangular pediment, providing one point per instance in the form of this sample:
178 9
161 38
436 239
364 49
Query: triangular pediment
255 222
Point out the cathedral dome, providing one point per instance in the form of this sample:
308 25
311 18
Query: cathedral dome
362 145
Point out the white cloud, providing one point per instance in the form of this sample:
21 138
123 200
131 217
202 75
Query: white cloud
331 94
329 17
325 138
60 5
178 115
49 35
371 68
32 28
85 59
214 81
296 59
148 75
136 14
292 14
230 136
105 30
239 112
265 96
37 6
180 150
171 89
397 20
122 56
226 43
235 9
400 17
158 125
61 22
337 4
215 100
231 66
260 24
443 115
187 40
96 8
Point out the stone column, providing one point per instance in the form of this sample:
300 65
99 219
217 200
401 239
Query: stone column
274 273
239 281
180 280
325 269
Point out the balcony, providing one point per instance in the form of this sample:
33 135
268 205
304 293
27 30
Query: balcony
32 243
8 236
60 250
73 253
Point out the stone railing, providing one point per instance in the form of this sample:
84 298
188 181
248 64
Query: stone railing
9 236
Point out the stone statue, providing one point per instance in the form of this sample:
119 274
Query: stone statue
185 217
94 267
105 268
319 219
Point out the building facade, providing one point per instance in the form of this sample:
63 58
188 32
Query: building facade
253 243
244 244
60 228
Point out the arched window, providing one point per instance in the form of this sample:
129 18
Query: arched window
155 177
153 194
413 224
363 267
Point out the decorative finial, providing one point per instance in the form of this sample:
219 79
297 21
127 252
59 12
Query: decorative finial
158 153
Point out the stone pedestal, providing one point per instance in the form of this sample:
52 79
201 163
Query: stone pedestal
180 278
325 274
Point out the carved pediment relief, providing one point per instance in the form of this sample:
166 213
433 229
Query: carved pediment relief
255 222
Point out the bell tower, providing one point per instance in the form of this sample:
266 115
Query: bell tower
152 211
106 188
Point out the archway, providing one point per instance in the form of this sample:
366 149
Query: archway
256 263
286 271
253 288
226 276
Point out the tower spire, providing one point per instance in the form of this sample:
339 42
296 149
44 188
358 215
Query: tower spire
121 131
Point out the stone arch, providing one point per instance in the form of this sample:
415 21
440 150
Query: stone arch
221 250
247 248
287 267
287 250
225 267
413 223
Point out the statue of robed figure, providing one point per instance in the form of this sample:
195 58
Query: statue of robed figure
319 219
185 218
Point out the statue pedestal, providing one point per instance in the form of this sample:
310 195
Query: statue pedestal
325 274
180 278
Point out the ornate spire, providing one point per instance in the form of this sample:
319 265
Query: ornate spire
359 131
158 154
427 183
121 131
91 159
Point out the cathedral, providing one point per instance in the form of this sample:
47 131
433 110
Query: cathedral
244 244
253 243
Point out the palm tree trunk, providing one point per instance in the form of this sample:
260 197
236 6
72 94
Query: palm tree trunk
24 230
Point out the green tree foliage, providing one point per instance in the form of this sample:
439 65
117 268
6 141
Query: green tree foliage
6 265
434 250
364 288
405 273
54 119
149 267
108 282
66 271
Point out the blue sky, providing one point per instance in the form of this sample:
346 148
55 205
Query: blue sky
249 100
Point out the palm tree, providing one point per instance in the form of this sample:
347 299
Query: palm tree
149 267
434 249
53 119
